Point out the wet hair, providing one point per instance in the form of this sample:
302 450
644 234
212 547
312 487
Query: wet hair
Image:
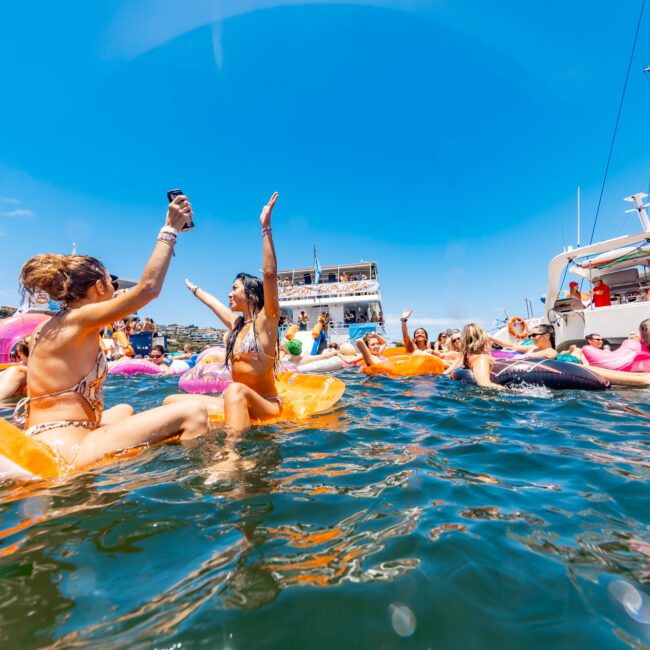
333 346
545 328
254 292
65 278
474 340
644 332
158 348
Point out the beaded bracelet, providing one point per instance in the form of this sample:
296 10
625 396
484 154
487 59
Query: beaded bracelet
266 231
167 237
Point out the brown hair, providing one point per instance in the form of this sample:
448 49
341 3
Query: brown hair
65 278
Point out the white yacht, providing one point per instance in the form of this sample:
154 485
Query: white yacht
623 264
349 293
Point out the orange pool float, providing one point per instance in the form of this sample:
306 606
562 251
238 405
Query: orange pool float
302 397
22 455
407 365
394 352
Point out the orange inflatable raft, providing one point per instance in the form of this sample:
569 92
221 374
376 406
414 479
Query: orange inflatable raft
22 456
302 396
406 365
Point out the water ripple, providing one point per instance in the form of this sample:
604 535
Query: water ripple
420 511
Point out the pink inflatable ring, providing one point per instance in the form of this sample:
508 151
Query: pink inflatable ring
631 356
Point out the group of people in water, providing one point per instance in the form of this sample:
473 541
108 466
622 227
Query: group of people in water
69 416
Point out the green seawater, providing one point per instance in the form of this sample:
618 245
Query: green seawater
421 513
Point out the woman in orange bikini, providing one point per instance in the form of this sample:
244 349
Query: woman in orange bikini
66 368
251 348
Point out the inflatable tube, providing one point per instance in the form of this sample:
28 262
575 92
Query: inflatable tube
24 457
291 332
302 397
15 328
214 354
206 378
505 354
538 372
179 366
394 352
407 365
631 356
135 367
322 365
316 332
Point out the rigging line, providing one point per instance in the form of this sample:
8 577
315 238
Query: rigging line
618 118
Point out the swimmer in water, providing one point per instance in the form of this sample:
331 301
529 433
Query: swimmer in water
13 380
544 348
251 348
475 348
420 343
64 407
370 348
157 356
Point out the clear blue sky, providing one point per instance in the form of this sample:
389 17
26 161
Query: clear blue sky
443 139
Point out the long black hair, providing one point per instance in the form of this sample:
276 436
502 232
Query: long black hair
254 292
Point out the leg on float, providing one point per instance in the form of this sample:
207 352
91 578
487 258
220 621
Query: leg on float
12 381
622 378
187 420
213 402
116 414
241 404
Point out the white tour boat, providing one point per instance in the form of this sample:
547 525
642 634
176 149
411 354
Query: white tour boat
623 264
348 293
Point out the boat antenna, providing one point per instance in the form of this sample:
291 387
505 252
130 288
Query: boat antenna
618 118
74 248
641 208
578 216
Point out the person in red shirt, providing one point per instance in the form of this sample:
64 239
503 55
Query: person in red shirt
601 294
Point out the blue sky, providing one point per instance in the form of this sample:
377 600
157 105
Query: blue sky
443 139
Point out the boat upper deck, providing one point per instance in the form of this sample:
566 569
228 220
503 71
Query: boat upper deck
343 283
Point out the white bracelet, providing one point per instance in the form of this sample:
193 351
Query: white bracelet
170 230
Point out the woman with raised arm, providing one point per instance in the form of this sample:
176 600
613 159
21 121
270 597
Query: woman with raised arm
64 407
252 344
420 342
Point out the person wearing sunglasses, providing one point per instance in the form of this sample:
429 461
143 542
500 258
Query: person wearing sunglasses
543 336
157 356
454 352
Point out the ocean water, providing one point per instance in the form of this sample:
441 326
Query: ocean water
421 513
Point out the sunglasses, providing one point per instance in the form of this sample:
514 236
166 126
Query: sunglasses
455 338
534 336
155 356
115 282
593 338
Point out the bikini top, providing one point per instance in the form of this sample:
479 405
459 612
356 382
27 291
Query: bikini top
89 387
250 344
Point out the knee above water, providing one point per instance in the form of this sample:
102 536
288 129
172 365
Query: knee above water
234 392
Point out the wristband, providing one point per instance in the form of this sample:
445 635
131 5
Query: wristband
403 320
266 231
170 230
166 238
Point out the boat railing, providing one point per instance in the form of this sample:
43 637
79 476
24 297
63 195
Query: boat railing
342 330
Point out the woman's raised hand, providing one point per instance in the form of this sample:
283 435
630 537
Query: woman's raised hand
179 213
406 314
191 286
265 217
